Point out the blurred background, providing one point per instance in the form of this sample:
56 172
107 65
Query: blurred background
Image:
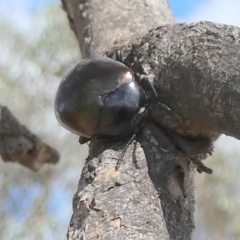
37 48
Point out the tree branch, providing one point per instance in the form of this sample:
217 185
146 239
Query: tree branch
196 73
144 199
18 144
194 69
101 25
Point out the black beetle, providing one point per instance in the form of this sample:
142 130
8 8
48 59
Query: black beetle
100 97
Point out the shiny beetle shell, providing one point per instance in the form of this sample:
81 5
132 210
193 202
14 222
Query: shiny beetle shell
99 97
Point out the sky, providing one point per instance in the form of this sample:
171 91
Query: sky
222 11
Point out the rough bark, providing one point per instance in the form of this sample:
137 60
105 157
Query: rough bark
100 25
194 69
151 196
196 72
18 144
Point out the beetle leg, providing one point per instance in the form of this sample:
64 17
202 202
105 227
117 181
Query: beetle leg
140 123
147 85
124 151
119 56
83 139
116 55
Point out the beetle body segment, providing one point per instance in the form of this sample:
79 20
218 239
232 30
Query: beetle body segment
121 109
99 97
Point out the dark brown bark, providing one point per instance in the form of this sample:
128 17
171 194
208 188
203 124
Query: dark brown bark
195 71
18 144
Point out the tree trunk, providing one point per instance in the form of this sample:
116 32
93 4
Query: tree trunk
194 69
100 25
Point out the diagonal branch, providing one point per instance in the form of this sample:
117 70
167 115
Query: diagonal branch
18 144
